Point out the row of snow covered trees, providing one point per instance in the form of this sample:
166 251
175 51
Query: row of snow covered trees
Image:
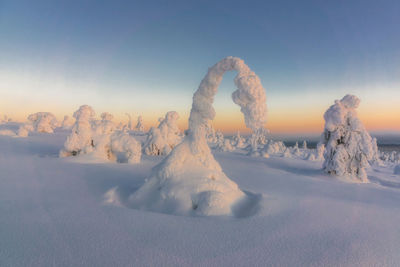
101 139
346 147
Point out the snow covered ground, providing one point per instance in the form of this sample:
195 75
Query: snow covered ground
62 212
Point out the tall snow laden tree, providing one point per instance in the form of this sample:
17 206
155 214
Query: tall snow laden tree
349 147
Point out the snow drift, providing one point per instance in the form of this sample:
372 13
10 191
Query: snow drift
189 181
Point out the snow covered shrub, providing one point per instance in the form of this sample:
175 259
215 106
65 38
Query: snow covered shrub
349 147
189 180
81 138
102 137
305 144
287 153
320 151
129 126
226 146
211 135
257 141
220 139
67 123
311 156
239 141
4 119
124 143
99 139
139 126
40 122
162 140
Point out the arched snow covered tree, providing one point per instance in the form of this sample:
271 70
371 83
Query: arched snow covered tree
189 180
349 147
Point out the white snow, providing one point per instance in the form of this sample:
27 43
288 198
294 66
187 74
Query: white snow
56 212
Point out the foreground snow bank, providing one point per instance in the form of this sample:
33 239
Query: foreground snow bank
189 180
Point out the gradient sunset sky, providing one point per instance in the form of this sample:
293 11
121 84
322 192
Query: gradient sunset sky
148 57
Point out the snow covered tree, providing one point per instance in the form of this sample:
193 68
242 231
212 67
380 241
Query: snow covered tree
40 122
122 142
98 139
139 126
81 138
165 137
240 142
305 144
67 123
189 180
349 147
129 125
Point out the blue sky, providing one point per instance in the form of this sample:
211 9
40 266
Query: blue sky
149 56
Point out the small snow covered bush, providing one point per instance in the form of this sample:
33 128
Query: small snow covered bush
139 125
349 147
81 138
40 122
165 137
239 141
122 142
99 139
67 123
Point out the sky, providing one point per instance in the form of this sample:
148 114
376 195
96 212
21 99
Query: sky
148 57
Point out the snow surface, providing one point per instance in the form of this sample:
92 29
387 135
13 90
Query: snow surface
59 212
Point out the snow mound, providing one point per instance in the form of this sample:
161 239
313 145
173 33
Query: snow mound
189 181
187 184
349 147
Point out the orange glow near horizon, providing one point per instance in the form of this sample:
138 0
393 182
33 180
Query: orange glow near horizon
280 120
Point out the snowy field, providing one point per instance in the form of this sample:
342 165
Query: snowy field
64 212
